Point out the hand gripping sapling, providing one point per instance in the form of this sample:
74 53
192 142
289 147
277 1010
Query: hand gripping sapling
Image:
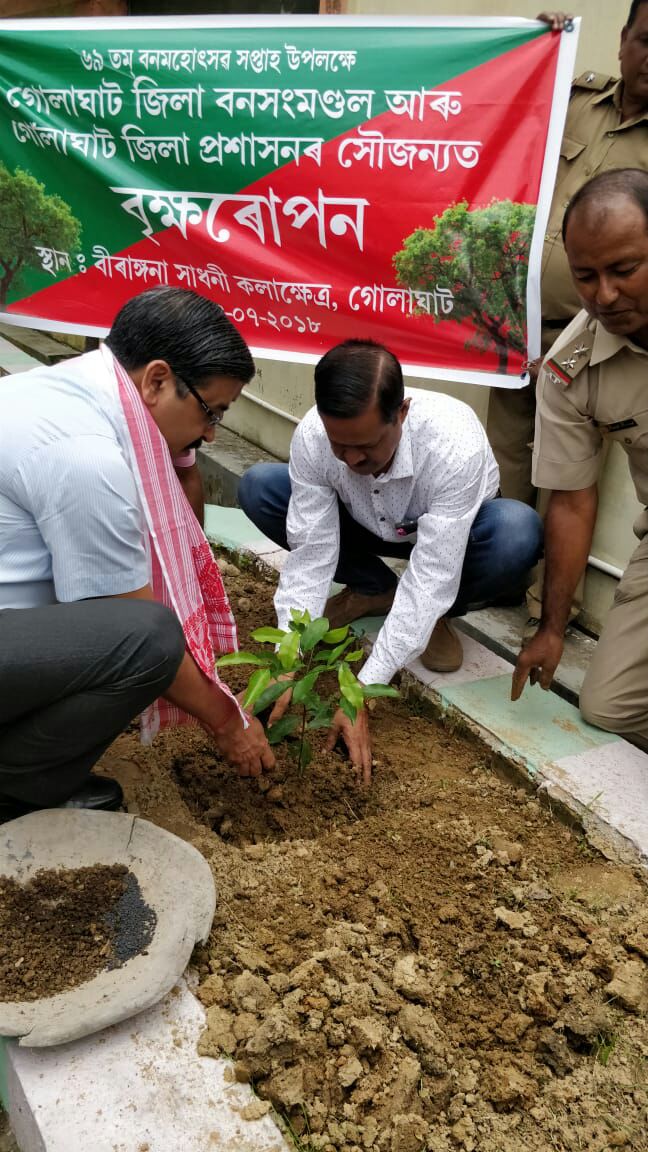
304 653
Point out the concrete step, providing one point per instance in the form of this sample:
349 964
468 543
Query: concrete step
223 462
13 359
500 629
138 1085
39 345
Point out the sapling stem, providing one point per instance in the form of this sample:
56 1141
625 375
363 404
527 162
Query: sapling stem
308 649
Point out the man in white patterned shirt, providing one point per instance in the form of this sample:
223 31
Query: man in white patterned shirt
377 472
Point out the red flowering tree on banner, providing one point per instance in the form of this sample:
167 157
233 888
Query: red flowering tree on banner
482 255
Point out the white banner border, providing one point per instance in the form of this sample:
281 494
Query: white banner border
125 23
562 89
449 375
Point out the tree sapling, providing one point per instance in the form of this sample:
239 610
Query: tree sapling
304 653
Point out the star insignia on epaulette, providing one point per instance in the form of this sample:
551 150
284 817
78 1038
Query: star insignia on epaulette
575 356
556 373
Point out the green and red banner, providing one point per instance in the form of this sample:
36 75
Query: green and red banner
320 178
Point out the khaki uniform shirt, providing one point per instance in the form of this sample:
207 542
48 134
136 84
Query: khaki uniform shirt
594 141
592 388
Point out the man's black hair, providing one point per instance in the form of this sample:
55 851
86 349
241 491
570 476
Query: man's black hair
356 374
602 189
190 332
634 8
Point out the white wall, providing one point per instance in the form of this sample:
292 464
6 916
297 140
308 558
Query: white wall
600 29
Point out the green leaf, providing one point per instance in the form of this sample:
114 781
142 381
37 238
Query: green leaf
29 212
300 616
234 658
277 668
372 691
351 657
304 687
348 710
350 687
271 693
313 634
288 650
257 684
337 652
321 720
305 755
322 714
268 635
335 635
284 727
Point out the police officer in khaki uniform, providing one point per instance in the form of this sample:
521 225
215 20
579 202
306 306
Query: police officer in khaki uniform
593 388
606 127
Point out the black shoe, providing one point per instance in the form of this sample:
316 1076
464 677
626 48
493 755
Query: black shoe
97 793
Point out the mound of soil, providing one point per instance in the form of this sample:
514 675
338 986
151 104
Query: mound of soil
435 963
7 1142
64 926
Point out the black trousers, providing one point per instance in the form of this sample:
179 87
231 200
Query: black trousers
72 677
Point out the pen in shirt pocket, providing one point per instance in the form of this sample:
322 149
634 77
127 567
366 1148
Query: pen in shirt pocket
406 527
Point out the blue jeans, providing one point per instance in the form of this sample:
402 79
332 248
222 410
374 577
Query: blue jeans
505 542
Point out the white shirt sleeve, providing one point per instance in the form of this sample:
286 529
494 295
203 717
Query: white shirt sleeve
82 496
429 586
313 530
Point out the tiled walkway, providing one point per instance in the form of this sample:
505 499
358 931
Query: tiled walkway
602 778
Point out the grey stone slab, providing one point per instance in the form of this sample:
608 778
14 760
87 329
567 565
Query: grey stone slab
222 464
139 1085
500 629
14 360
40 345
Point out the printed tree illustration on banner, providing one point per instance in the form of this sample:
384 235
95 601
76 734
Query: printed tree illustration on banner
482 256
30 218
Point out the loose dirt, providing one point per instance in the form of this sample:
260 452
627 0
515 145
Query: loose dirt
436 963
64 926
7 1141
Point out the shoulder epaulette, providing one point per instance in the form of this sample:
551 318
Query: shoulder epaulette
565 365
594 81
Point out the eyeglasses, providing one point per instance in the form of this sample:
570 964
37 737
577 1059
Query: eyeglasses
213 418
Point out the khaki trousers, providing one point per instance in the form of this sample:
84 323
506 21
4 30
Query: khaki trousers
510 427
614 695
